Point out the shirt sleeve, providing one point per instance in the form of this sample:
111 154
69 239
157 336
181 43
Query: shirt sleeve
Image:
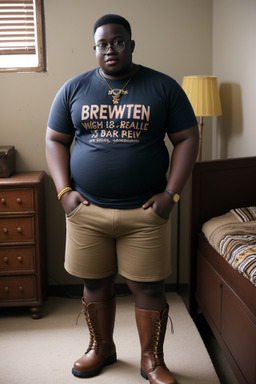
60 117
181 114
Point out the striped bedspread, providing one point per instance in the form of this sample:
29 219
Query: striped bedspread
233 236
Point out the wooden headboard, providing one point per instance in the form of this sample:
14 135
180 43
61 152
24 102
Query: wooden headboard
216 187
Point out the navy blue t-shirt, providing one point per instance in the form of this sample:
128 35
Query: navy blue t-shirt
120 159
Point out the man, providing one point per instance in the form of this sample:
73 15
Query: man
114 190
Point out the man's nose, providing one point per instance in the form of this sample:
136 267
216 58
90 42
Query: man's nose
110 49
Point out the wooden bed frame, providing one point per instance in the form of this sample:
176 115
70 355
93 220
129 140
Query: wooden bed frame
225 298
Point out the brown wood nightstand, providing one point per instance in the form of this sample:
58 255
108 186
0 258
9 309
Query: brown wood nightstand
23 277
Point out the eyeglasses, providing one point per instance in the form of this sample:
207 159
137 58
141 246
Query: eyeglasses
117 46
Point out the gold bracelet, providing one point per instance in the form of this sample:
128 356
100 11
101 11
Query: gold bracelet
67 189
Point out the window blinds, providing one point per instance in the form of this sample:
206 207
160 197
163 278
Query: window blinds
17 27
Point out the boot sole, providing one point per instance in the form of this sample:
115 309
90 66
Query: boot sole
143 374
111 360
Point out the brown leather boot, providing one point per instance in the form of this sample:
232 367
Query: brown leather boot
152 327
100 318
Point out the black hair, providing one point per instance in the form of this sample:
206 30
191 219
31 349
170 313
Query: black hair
112 19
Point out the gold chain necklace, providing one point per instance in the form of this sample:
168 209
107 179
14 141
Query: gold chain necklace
114 92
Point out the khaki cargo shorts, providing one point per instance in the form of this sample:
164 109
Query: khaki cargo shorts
132 242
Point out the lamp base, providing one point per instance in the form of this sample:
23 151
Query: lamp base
201 126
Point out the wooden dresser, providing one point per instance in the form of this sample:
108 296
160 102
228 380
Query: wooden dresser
22 242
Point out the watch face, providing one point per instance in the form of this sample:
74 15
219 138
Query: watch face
176 198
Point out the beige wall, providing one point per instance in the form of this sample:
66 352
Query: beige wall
172 36
234 62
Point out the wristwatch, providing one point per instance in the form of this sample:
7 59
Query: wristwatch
175 197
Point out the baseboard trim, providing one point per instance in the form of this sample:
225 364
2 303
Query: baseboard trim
76 290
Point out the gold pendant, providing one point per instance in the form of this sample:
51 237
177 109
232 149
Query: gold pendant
116 94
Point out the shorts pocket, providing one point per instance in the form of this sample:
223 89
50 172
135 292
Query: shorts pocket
158 218
74 212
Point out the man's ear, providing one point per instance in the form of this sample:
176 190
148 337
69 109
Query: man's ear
132 45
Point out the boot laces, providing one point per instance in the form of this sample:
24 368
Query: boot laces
157 347
94 338
93 344
82 311
160 328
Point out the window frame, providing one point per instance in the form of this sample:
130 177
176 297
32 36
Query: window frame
39 43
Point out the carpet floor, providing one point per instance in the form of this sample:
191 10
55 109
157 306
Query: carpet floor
43 351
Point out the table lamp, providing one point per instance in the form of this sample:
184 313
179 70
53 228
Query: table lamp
203 95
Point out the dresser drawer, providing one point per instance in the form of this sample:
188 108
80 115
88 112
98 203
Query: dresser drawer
17 259
17 288
16 229
16 200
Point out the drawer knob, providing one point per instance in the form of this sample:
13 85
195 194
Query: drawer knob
5 230
6 289
21 289
3 201
19 229
20 259
6 259
19 200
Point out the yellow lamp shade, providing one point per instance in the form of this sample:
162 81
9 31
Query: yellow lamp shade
203 94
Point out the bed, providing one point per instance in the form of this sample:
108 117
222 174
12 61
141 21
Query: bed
223 294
